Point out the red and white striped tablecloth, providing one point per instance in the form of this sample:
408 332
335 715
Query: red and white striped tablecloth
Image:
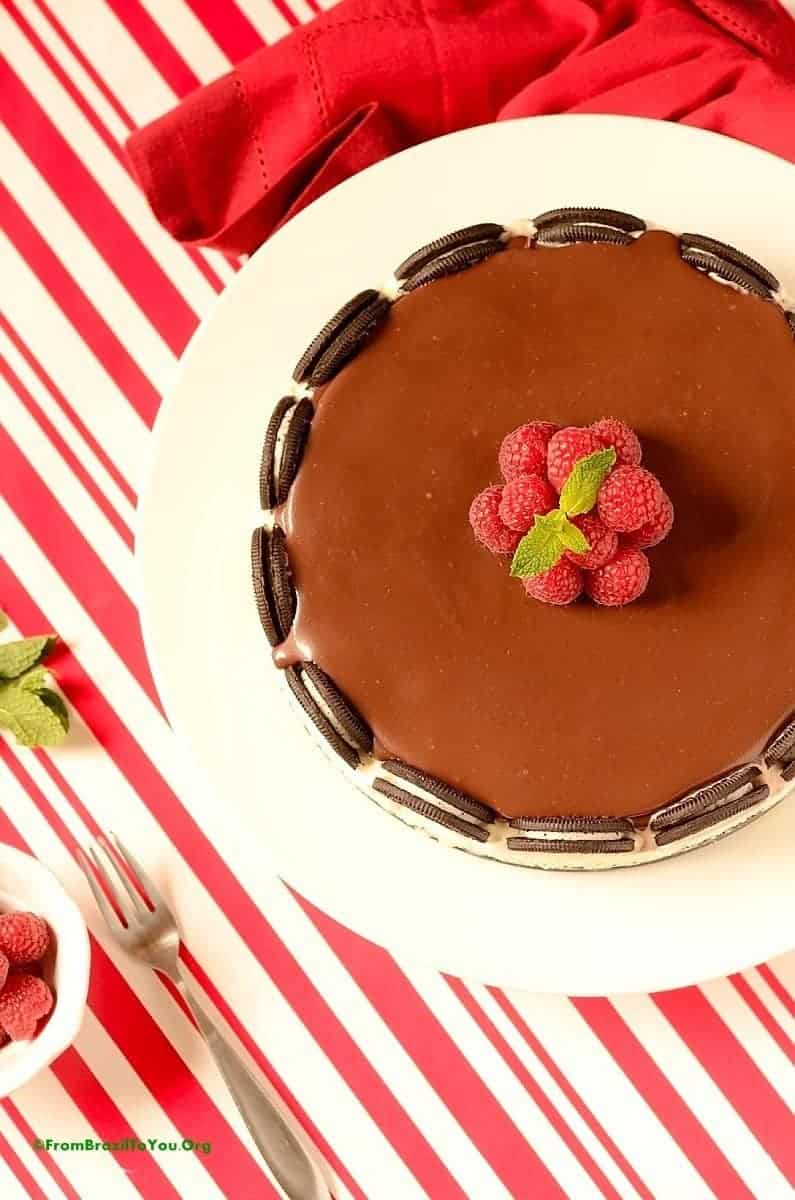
410 1084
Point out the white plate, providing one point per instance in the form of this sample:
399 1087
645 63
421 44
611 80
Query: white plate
704 914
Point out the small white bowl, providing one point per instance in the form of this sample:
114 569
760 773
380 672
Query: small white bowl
28 886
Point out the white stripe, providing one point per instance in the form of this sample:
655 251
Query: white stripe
519 1107
753 1037
49 1109
75 500
267 19
783 968
116 55
10 1186
30 1159
142 1110
184 30
137 333
101 107
71 66
778 1012
609 1094
107 171
74 440
554 1093
66 358
703 1097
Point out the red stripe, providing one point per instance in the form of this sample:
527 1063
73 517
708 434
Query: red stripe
88 112
100 220
74 464
79 310
108 1121
72 557
569 1092
68 410
439 1059
156 46
734 1072
229 28
663 1099
777 987
28 1134
295 986
267 1068
503 1048
19 1171
147 1049
764 1016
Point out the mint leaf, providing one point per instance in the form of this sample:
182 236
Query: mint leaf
541 548
33 717
574 539
57 705
18 657
3 621
587 476
33 681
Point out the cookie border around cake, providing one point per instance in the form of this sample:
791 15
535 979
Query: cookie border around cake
707 812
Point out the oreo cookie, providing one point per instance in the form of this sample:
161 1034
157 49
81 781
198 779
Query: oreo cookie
293 445
711 255
440 790
295 682
280 581
715 817
349 340
704 798
354 727
566 234
263 596
791 321
486 231
781 748
573 824
267 466
320 344
451 264
565 846
611 218
424 808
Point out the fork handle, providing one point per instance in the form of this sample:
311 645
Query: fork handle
289 1162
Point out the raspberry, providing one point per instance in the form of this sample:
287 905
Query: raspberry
3 1038
603 543
654 530
23 1001
621 581
524 452
566 448
522 498
612 432
628 498
487 526
4 965
562 584
24 937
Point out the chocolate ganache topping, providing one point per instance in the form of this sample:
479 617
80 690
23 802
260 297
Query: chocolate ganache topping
529 708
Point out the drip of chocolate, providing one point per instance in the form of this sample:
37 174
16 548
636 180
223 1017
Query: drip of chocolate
525 707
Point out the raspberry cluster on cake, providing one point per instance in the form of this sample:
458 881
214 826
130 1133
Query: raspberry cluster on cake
606 708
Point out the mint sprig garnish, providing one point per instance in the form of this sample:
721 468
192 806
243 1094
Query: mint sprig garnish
553 533
29 707
579 492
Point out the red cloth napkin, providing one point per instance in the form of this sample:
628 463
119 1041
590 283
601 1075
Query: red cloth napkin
370 77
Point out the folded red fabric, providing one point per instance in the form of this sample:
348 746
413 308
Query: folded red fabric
238 157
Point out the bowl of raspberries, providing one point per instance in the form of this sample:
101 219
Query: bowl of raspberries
576 511
44 968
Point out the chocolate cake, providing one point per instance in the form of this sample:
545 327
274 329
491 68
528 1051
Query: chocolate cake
520 729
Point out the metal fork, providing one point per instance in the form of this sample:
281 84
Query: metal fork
151 934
